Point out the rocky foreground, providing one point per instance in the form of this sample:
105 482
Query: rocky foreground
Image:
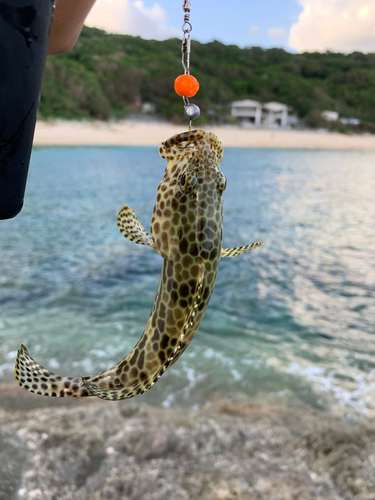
98 450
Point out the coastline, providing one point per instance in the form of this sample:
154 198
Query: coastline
146 133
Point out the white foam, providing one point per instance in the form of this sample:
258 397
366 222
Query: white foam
100 353
236 375
358 393
54 364
6 367
168 401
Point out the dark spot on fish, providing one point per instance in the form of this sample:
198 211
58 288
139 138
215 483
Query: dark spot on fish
164 341
153 321
134 357
142 342
141 360
162 313
174 297
194 250
213 254
184 245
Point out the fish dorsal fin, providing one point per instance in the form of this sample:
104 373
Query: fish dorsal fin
132 229
232 252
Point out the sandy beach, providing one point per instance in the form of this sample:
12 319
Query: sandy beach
137 133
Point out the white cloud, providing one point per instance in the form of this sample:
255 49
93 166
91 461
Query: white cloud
337 25
276 32
131 18
253 30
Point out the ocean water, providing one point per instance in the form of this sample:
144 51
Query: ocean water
291 322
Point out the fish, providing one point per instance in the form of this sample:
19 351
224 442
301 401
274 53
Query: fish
186 230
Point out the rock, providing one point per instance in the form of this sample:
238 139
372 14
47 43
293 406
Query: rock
13 457
231 451
349 457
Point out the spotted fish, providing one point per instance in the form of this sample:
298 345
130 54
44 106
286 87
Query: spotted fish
186 230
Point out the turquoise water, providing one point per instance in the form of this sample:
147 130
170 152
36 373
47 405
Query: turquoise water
292 321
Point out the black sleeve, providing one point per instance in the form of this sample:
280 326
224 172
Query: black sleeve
24 35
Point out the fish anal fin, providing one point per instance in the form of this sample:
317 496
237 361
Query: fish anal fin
232 252
132 229
110 393
35 378
107 385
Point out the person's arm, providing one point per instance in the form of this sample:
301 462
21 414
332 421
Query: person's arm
67 24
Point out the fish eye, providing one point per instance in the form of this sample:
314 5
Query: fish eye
183 181
221 182
188 182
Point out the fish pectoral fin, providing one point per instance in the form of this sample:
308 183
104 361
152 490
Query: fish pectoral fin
35 378
232 252
132 229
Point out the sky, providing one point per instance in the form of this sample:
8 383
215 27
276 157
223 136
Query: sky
295 25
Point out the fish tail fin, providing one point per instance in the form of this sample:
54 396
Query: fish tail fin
35 378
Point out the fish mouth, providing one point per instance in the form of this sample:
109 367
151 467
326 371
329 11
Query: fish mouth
200 141
184 138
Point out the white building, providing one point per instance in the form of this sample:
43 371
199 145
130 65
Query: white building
274 113
253 113
330 116
148 107
248 112
350 121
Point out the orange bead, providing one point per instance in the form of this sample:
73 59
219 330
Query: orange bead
186 85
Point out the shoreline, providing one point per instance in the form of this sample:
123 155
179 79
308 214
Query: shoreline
81 449
145 133
14 398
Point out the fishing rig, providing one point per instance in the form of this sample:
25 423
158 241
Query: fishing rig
186 85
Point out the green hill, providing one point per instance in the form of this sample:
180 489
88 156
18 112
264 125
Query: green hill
111 75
